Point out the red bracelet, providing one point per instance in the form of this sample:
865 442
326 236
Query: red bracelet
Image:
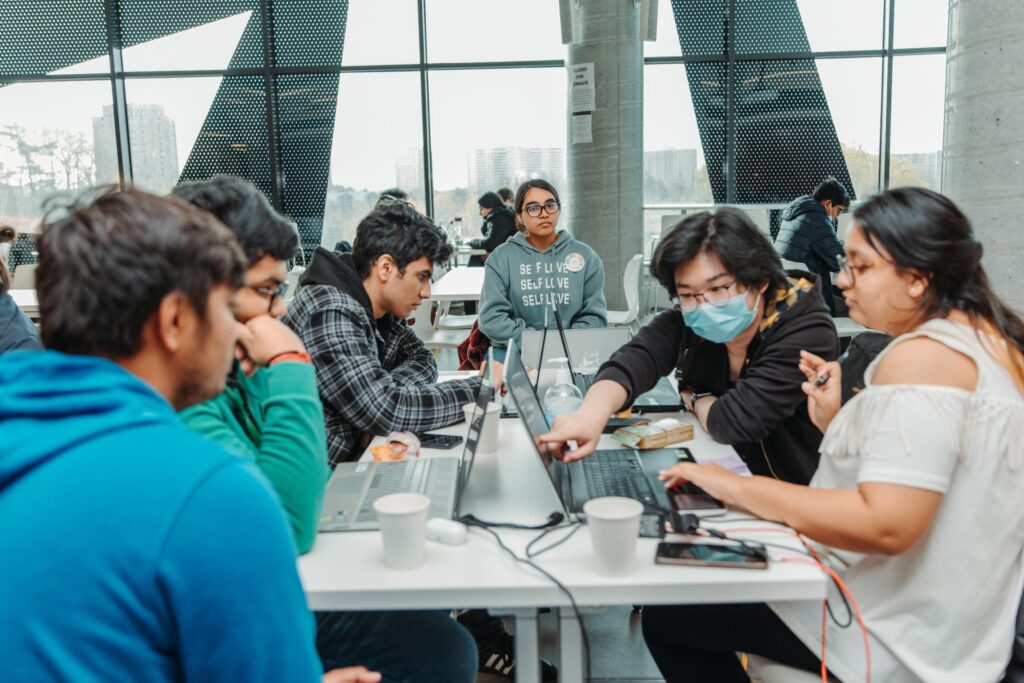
299 356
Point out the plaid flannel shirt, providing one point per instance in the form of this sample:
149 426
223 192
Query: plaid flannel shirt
371 383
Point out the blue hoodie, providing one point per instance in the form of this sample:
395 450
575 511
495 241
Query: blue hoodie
132 549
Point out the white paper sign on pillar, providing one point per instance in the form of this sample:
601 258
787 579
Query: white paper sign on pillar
582 102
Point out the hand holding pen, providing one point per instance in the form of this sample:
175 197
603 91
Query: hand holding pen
823 388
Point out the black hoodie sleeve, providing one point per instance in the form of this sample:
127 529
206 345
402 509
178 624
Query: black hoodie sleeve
769 392
648 357
502 227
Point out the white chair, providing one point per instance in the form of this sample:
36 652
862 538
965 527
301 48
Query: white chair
631 285
433 339
293 282
451 321
24 277
769 671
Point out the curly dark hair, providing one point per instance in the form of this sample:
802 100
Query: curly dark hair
400 231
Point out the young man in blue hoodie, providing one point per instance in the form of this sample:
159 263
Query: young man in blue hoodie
158 556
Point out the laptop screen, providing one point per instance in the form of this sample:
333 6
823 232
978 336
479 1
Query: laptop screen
483 397
518 382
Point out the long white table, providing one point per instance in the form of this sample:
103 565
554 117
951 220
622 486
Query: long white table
345 570
459 284
26 300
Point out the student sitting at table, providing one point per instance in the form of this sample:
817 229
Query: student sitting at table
16 329
918 495
270 414
134 549
537 267
375 375
734 339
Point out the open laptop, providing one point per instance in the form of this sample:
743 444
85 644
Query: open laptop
611 472
663 398
354 486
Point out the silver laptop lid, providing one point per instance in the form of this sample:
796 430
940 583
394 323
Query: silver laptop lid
604 340
518 383
483 397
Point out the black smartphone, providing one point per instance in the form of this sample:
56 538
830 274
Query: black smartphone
429 440
616 422
749 556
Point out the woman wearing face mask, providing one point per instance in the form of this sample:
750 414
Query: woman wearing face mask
734 340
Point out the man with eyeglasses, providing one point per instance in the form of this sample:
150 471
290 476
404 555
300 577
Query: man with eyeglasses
808 232
270 413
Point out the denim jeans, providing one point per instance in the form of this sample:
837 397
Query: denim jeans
406 647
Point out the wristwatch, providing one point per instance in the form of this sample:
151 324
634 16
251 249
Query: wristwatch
696 396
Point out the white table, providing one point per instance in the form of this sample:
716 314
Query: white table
345 570
26 301
459 284
464 252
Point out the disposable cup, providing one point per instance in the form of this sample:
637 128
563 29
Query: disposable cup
403 523
489 429
614 527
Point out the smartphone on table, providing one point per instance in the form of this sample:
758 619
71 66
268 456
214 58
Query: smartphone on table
749 556
430 440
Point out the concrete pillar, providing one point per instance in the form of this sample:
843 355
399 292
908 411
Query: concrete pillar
983 149
606 175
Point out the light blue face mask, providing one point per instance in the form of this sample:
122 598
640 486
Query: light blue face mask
723 322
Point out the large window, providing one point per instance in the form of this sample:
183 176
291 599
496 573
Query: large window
495 128
325 103
378 144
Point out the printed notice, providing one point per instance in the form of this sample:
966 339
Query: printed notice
582 128
581 92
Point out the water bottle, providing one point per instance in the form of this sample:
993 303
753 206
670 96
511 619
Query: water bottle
457 230
564 396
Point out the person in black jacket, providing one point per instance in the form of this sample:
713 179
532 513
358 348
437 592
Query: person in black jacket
499 225
808 234
735 345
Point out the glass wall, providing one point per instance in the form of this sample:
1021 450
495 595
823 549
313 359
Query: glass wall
325 103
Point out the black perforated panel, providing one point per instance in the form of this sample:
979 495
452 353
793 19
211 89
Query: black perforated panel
785 139
39 36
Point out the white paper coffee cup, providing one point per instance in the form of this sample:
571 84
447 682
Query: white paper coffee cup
614 527
489 427
403 523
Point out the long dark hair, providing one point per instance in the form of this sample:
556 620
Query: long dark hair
925 233
730 237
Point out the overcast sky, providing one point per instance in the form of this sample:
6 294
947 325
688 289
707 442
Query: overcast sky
379 114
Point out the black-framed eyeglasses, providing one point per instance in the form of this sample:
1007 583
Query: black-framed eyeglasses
717 296
272 294
550 207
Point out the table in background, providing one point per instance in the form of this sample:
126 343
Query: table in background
345 571
464 252
459 284
26 301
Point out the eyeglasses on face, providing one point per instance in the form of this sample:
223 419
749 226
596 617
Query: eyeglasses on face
272 294
549 207
716 296
851 271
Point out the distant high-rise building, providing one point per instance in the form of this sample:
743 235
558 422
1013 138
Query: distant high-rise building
154 147
669 174
490 169
409 171
928 166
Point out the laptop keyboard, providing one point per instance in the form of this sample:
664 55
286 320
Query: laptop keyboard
430 476
617 473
